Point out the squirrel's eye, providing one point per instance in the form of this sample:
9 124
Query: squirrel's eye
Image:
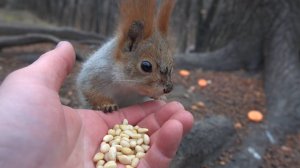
146 66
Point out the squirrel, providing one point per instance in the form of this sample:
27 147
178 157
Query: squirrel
136 64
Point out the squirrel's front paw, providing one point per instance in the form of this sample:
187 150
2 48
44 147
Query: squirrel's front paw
107 108
163 98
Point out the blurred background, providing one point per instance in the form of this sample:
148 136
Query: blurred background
101 16
233 57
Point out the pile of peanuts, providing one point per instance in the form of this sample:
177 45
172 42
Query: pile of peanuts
125 144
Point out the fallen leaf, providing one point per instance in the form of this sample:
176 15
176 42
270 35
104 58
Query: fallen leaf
238 125
255 116
200 104
286 149
184 73
186 95
222 163
191 89
70 93
194 107
202 83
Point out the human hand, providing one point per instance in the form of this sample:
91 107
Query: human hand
36 130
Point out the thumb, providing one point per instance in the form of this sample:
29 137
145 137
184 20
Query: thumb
52 67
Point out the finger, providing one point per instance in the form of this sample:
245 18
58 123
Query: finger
161 152
154 121
52 67
186 119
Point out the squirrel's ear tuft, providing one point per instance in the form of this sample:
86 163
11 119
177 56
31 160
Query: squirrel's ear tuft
136 22
164 15
135 35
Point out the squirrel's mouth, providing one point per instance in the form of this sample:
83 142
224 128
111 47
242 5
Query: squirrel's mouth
155 97
151 92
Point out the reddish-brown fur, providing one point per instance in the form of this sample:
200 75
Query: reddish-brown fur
164 16
136 10
143 11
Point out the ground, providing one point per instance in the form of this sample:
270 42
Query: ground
232 94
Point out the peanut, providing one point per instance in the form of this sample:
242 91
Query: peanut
135 162
100 163
140 155
110 164
128 166
127 151
143 130
98 156
123 143
139 149
146 139
108 138
104 148
112 154
124 159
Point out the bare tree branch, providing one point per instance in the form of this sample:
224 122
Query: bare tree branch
19 40
62 33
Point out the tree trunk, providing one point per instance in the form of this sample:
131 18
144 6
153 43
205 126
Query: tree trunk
81 14
246 34
203 24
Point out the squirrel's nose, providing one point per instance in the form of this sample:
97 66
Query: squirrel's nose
168 88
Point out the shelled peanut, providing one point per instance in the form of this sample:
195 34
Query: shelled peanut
125 144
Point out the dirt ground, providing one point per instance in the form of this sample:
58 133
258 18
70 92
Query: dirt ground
232 94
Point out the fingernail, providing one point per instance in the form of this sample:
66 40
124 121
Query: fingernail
59 44
179 105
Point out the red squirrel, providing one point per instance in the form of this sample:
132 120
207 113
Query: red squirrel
136 64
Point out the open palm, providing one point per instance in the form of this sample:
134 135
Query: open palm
36 130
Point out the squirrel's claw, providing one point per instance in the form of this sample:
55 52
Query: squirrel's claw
107 108
163 98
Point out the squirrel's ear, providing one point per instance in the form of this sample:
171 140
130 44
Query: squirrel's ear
136 23
135 35
164 16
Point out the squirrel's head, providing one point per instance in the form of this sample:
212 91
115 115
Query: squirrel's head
143 48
